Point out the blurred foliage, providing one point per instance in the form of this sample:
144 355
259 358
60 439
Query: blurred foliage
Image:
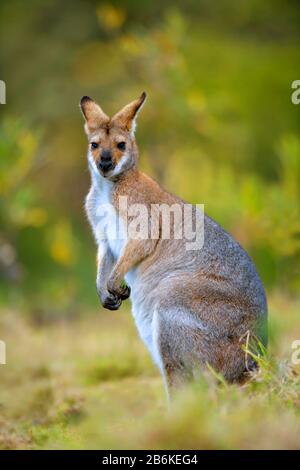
219 128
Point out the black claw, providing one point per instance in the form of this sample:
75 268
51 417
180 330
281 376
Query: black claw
112 302
115 306
126 293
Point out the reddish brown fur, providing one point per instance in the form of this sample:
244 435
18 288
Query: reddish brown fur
205 302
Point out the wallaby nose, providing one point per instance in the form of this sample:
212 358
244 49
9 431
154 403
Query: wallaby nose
106 155
105 162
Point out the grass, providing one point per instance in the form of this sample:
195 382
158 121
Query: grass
89 383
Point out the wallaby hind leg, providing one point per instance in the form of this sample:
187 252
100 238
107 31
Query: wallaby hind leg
185 347
175 342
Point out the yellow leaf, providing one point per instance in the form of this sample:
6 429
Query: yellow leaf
110 16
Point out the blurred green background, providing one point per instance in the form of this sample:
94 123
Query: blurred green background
219 128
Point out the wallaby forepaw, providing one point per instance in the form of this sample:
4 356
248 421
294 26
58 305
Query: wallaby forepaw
126 293
122 291
111 301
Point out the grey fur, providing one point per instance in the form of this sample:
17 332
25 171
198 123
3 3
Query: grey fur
191 307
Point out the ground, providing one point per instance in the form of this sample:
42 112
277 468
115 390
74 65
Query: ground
89 383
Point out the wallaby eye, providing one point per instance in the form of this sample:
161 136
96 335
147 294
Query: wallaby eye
94 145
121 145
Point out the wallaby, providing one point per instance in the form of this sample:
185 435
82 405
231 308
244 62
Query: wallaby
192 307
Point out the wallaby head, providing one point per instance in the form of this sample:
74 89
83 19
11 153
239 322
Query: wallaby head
112 146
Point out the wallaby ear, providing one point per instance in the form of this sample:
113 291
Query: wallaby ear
126 117
93 114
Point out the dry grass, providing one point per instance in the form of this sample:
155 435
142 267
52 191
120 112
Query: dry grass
89 383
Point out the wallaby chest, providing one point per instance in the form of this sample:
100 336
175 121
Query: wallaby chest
106 222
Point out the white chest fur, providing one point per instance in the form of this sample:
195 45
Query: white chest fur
104 218
109 227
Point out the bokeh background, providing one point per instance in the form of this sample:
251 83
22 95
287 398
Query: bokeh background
218 128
